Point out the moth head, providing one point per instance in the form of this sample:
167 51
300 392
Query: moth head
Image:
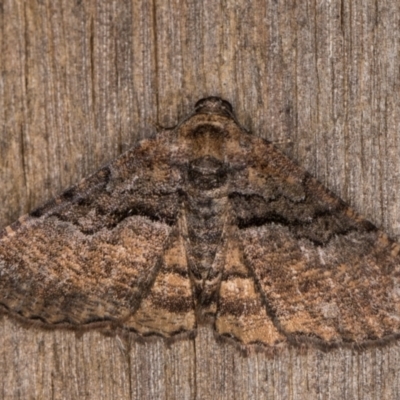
208 127
214 105
206 136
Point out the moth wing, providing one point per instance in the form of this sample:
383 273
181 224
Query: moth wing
168 308
324 272
91 254
241 312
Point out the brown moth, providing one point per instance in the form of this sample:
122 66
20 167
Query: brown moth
204 224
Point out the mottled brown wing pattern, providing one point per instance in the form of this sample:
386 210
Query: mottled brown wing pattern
168 308
324 272
53 273
93 253
241 312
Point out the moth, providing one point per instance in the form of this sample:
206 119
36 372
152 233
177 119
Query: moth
204 223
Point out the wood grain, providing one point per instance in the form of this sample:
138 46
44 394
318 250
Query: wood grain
82 81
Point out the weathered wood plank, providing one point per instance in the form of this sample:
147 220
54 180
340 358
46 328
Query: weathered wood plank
81 82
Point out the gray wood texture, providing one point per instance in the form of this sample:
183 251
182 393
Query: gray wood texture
82 81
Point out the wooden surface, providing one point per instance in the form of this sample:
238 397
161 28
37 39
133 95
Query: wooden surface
82 81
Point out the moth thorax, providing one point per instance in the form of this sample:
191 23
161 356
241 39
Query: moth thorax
207 173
